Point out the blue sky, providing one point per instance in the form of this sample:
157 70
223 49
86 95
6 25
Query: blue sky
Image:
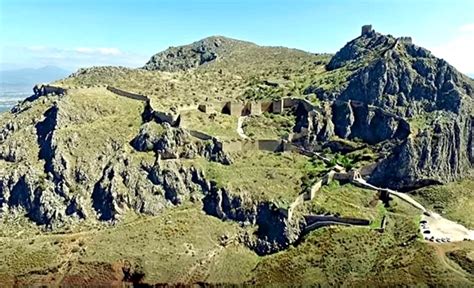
78 33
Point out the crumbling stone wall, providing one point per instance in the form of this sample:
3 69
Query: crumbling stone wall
200 135
45 89
270 145
128 94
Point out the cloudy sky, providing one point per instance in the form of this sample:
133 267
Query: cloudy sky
72 34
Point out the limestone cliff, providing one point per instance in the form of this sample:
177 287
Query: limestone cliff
429 99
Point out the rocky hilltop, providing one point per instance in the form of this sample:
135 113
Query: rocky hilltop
247 134
407 81
201 52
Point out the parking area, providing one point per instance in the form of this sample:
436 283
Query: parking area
438 229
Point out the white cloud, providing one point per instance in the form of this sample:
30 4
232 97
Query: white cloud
458 50
70 58
467 28
37 48
101 51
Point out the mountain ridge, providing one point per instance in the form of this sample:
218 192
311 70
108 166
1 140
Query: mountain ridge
246 145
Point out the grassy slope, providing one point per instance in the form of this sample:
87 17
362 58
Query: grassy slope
244 69
268 126
359 257
221 125
346 200
180 245
260 175
454 200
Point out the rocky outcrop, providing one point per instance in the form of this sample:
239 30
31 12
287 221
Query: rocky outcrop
155 188
192 56
353 120
275 231
434 156
175 143
393 81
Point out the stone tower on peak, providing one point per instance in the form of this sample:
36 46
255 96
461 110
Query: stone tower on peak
366 30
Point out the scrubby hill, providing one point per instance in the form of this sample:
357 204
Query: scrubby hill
201 165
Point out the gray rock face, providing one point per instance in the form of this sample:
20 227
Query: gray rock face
192 56
275 232
355 120
404 82
175 143
434 156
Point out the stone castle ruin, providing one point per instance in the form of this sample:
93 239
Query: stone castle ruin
46 89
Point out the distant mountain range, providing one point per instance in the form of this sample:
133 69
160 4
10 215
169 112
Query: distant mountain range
31 76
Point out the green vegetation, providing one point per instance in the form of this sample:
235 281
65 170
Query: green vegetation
353 257
342 160
238 76
217 125
454 200
464 258
345 200
333 80
259 175
269 126
170 244
181 245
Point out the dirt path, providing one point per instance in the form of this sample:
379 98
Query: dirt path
441 251
200 268
399 195
437 227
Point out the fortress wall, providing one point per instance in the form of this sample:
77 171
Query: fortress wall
249 145
162 117
287 146
236 109
306 105
368 169
383 224
255 108
314 189
277 106
289 102
269 145
41 90
219 106
344 220
232 146
128 94
54 89
266 106
298 201
200 135
327 179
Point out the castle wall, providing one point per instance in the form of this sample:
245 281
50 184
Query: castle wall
249 145
255 108
128 94
277 106
236 109
42 90
345 220
269 145
163 117
232 146
266 106
200 135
